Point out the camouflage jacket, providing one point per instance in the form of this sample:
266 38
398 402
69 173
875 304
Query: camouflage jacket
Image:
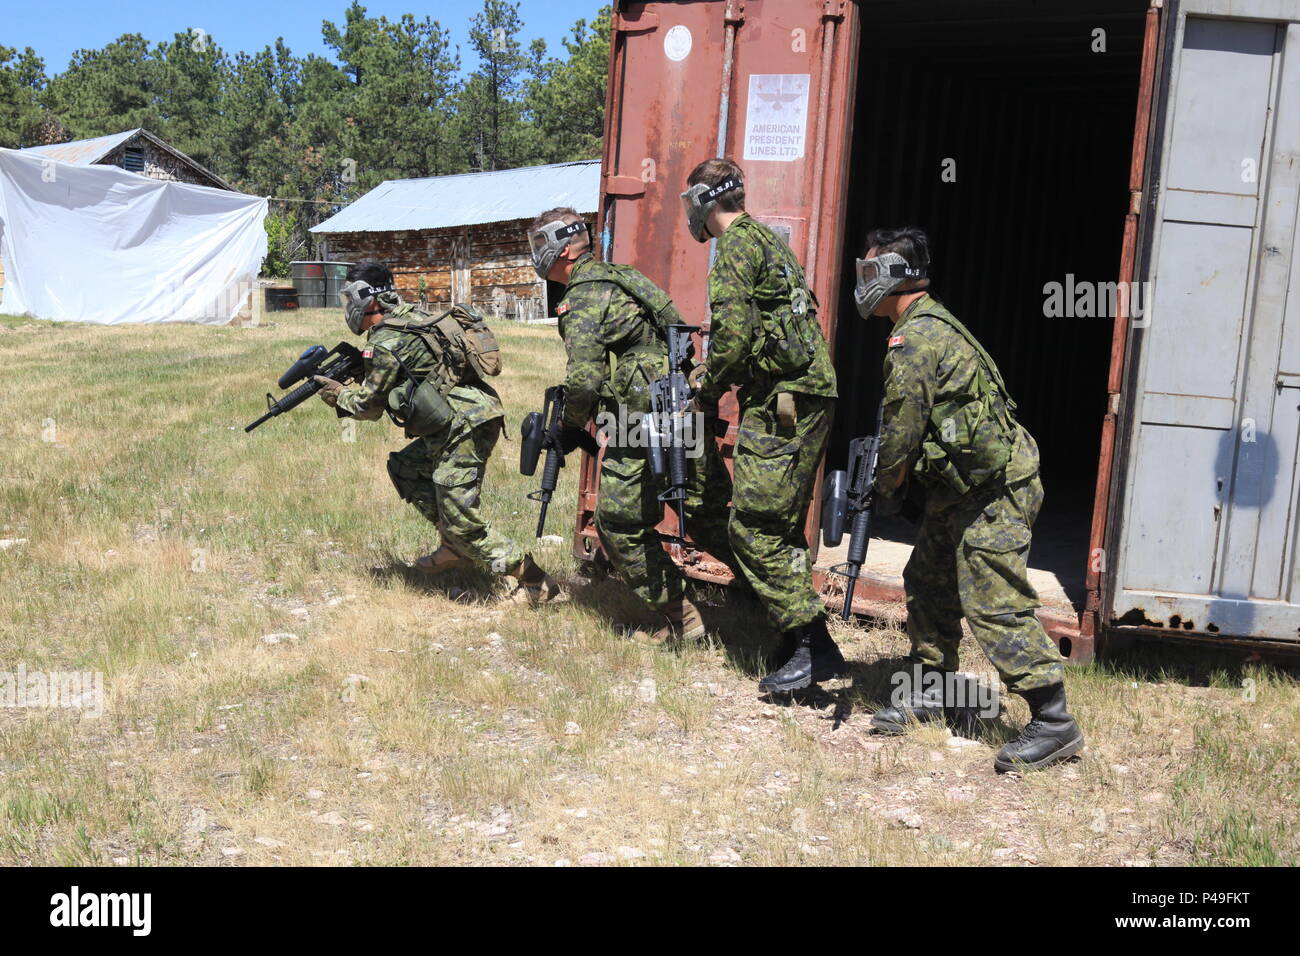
928 366
474 403
614 346
754 283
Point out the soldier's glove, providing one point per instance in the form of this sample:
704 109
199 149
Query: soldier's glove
571 438
329 389
697 406
695 377
713 421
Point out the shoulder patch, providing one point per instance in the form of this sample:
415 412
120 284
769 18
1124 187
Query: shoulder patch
368 352
895 341
562 308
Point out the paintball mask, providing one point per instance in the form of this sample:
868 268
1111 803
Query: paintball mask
880 277
548 242
355 298
699 201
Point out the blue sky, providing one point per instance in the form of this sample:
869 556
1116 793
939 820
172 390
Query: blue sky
58 28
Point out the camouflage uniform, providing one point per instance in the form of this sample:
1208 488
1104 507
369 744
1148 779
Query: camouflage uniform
970 554
603 326
440 474
766 340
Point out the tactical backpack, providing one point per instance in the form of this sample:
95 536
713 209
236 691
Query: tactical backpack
785 334
971 437
654 300
464 350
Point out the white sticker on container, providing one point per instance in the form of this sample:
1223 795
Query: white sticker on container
776 120
677 43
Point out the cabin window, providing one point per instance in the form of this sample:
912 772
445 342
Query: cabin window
133 159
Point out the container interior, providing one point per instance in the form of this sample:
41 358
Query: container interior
1032 120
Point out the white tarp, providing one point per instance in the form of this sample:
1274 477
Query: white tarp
99 244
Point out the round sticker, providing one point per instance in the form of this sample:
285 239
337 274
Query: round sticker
677 43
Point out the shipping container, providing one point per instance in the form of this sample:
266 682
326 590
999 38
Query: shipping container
1111 189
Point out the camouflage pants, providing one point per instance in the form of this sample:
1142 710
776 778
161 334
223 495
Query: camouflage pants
708 503
628 510
775 471
970 560
626 514
442 476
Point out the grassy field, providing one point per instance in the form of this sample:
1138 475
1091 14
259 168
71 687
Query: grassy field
281 689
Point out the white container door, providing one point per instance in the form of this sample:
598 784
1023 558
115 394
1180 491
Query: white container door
1208 517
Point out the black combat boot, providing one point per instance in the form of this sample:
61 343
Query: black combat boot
1051 735
787 643
815 659
921 706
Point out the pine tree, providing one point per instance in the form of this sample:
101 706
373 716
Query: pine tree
489 113
22 84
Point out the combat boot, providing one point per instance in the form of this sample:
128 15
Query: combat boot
444 559
1052 734
683 623
785 647
920 706
815 659
535 585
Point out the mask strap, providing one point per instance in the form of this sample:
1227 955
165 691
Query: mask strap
912 291
726 186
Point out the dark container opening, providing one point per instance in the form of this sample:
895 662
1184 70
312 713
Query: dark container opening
1037 129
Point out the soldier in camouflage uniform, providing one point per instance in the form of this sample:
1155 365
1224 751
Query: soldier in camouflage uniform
949 422
611 320
441 474
766 340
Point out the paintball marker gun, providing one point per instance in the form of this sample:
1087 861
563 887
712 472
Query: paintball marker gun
666 431
541 431
848 499
343 363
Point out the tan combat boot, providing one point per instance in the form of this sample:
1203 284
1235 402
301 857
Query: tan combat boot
683 623
444 559
535 585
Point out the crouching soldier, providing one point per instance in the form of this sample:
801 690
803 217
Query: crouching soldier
428 373
949 422
613 316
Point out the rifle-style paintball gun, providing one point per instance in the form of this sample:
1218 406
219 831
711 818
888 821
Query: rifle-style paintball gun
342 363
541 431
848 499
667 430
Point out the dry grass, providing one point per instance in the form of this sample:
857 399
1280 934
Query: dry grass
409 723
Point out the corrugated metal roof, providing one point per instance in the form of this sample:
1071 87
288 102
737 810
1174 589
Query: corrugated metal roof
82 152
470 199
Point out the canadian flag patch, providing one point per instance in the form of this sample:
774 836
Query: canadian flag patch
895 341
562 308
367 353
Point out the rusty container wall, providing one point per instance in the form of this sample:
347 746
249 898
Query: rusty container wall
689 81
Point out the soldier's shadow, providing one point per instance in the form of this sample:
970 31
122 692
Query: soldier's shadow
868 686
738 624
735 621
465 586
864 689
611 600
